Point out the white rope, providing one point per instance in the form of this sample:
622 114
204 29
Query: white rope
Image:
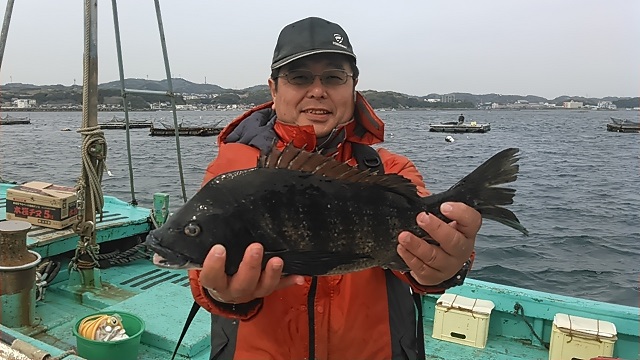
93 149
93 142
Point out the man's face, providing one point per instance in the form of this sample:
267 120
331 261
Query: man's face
323 105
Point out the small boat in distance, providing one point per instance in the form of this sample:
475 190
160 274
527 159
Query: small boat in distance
623 125
11 120
455 127
120 124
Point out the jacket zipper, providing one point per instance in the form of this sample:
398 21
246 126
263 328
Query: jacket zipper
311 312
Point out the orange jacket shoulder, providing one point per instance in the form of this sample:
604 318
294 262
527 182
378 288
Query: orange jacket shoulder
401 165
231 157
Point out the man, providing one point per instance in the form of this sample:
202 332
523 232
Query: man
259 314
460 119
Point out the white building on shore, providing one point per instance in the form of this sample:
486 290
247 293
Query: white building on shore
24 103
572 104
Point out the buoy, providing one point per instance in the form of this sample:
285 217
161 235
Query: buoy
449 138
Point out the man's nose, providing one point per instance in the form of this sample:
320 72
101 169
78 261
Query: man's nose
317 89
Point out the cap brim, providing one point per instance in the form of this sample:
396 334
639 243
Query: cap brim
307 53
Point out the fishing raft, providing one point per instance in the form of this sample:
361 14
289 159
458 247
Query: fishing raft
623 125
185 131
12 120
472 127
120 124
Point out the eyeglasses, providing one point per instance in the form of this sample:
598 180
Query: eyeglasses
333 77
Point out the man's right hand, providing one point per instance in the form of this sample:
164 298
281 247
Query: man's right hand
250 282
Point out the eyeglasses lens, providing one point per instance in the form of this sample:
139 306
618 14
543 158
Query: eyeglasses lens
306 77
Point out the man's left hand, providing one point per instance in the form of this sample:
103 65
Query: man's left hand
432 264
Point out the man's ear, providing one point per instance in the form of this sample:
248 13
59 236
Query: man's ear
355 94
273 89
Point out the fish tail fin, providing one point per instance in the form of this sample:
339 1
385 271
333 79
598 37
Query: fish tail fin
480 189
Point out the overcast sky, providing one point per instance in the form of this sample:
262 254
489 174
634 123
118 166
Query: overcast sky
547 48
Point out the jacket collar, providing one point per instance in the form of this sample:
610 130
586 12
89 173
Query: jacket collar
365 128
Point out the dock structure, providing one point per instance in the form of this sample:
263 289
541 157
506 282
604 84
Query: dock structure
462 128
623 125
120 124
123 126
10 120
185 131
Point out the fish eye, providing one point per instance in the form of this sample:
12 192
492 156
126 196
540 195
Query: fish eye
192 230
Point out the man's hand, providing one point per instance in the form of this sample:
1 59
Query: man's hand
250 282
432 264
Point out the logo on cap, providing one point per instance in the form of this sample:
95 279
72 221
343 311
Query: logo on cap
338 41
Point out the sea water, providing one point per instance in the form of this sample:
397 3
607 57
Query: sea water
578 191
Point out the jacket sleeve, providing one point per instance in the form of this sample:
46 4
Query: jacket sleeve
231 157
398 164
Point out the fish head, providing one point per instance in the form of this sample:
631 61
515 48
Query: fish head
185 239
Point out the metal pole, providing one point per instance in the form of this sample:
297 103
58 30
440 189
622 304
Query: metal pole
5 28
90 96
123 93
172 97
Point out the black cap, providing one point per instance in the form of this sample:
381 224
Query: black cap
307 37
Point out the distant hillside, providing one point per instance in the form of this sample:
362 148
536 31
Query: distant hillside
179 86
491 98
213 94
257 88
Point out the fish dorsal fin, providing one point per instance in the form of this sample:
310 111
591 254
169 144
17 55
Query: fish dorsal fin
292 158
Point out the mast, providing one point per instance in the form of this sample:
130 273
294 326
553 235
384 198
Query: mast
5 28
94 151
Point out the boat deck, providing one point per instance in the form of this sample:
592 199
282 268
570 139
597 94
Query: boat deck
120 220
162 298
134 287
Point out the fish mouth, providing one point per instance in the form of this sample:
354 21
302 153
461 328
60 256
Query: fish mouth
167 258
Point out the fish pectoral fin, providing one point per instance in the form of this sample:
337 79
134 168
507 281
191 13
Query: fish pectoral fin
313 263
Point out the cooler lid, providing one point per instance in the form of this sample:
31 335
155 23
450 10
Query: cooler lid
577 324
460 302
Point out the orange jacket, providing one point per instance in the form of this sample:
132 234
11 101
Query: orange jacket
364 315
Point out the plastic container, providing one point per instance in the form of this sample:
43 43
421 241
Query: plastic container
126 349
574 337
462 320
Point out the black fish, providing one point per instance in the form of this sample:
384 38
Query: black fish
319 215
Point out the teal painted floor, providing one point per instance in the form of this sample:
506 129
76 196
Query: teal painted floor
162 299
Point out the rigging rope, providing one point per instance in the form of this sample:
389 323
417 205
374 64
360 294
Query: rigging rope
93 150
94 146
519 310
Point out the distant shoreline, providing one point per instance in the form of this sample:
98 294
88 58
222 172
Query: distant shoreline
376 110
68 110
